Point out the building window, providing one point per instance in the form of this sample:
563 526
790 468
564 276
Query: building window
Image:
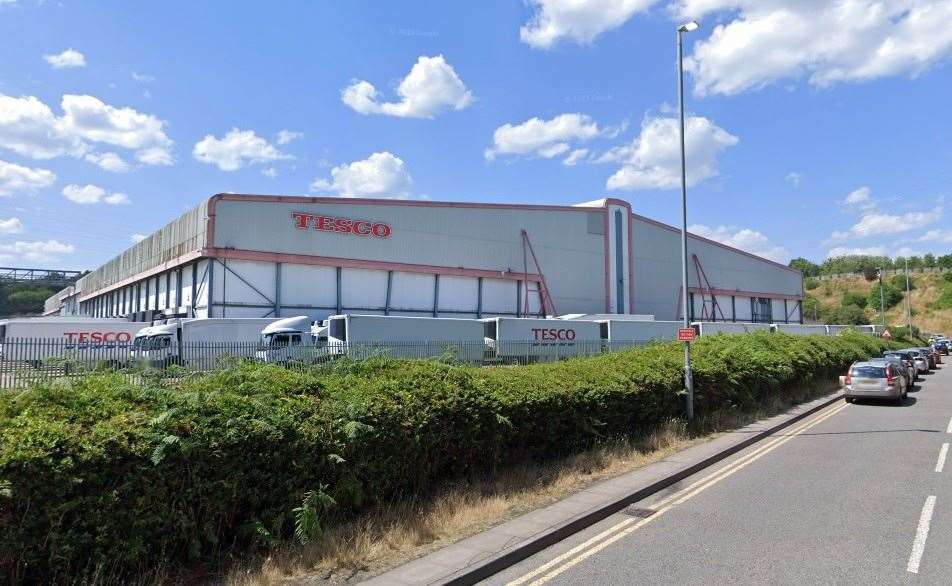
761 310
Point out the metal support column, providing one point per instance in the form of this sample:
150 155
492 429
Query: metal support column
277 289
479 298
194 287
339 303
436 295
211 289
386 306
519 299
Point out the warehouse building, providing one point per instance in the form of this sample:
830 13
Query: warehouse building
263 256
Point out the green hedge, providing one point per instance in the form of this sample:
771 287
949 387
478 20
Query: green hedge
102 475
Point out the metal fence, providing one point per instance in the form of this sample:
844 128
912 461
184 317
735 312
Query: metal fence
27 361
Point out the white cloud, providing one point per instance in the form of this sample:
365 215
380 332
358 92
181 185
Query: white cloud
876 223
943 236
137 237
581 21
11 226
431 87
858 196
108 162
270 172
379 175
93 194
794 178
30 128
67 59
824 41
286 136
745 239
235 150
653 160
857 251
574 157
542 138
17 178
142 77
35 251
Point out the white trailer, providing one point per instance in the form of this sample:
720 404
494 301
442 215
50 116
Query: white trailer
87 340
405 337
619 333
708 328
198 342
514 337
802 329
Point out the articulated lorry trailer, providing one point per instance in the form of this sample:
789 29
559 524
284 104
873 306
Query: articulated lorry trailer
198 342
405 337
76 339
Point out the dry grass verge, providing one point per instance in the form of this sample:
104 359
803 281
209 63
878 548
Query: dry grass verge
387 537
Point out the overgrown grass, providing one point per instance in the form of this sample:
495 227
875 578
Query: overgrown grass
102 478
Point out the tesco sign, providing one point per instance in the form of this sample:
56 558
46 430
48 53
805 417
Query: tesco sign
553 334
97 337
304 221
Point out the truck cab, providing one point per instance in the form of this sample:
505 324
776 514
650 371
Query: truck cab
156 345
292 339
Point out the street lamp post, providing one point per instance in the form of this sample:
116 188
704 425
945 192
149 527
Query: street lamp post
908 301
882 300
688 375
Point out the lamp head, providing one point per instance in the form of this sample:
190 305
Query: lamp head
689 26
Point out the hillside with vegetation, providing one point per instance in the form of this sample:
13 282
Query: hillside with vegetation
846 290
23 298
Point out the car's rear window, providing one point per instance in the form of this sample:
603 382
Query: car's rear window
870 371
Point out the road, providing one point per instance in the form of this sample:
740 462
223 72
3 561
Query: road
855 494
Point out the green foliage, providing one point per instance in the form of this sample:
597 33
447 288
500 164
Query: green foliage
851 298
847 315
98 473
945 298
898 282
809 269
23 298
890 296
810 284
947 277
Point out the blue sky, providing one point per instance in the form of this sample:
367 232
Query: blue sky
815 127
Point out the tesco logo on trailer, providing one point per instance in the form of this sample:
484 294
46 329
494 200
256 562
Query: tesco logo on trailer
553 334
97 337
304 221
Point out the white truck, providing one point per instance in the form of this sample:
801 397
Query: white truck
405 337
514 338
34 340
197 342
292 339
620 333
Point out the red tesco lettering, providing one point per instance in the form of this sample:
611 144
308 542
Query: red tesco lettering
304 221
553 334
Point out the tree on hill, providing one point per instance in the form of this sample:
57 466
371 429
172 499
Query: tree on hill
809 269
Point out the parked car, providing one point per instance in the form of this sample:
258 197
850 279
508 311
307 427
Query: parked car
944 345
919 357
875 380
931 355
906 362
928 356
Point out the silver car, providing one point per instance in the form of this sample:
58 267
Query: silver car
907 372
922 363
875 380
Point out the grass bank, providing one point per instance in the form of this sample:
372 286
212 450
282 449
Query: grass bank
100 477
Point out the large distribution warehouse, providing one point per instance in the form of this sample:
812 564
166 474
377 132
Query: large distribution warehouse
261 256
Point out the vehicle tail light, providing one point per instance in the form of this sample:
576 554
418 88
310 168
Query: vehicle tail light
890 379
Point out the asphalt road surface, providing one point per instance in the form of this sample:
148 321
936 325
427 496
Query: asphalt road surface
855 494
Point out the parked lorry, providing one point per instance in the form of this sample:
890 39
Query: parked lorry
509 338
197 342
620 333
74 339
292 339
405 337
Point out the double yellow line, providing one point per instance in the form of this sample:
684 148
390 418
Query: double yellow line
553 568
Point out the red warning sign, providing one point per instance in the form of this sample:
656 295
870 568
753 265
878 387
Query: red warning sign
686 334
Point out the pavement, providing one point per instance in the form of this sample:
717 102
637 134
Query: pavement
853 494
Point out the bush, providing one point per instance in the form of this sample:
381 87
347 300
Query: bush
102 477
945 298
810 284
847 315
947 277
898 282
891 296
851 298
